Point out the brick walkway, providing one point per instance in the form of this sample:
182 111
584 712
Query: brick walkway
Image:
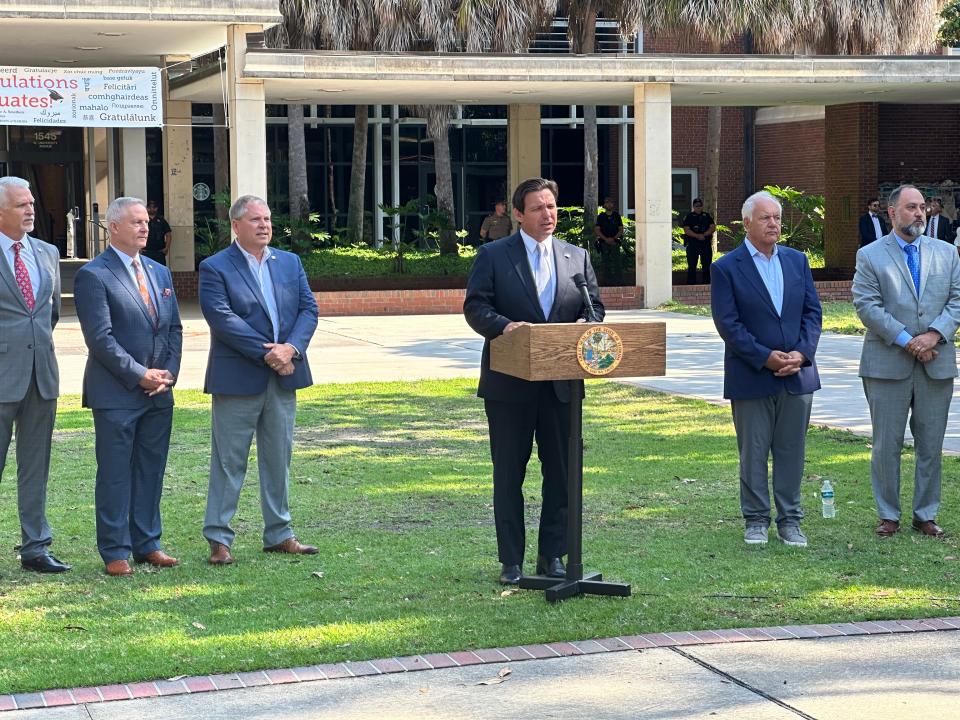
436 661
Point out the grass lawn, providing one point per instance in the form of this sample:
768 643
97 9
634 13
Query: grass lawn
392 482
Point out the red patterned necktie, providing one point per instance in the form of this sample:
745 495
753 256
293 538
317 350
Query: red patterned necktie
144 293
23 277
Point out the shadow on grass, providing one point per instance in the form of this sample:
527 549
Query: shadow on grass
392 482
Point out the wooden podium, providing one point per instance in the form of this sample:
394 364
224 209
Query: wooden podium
574 351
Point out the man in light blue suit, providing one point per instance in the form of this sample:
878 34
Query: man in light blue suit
262 316
907 293
29 310
131 324
766 309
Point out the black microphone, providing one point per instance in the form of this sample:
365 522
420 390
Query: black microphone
581 283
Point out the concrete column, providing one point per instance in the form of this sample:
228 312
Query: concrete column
133 162
652 164
523 144
248 120
178 178
95 147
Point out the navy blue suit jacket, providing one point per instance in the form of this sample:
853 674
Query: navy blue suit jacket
235 310
750 327
123 340
501 290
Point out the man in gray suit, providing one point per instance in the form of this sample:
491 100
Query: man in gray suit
29 310
907 293
131 324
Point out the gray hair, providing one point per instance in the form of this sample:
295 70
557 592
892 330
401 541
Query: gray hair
118 207
895 194
747 212
10 181
239 207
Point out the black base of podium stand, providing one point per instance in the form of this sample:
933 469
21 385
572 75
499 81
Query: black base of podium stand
562 588
575 583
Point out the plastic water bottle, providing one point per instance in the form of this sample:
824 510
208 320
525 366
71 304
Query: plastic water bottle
826 499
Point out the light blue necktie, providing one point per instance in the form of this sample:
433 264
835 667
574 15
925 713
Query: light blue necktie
542 277
913 264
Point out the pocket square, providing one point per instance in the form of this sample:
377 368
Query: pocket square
167 292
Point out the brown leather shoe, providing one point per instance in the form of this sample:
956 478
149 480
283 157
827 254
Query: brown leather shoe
928 527
292 546
158 558
219 554
119 568
886 528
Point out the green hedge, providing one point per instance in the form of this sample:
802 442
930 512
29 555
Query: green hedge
356 261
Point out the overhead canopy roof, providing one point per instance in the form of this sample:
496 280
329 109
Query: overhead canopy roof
332 78
102 33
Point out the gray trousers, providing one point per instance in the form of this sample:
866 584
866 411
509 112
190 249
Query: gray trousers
928 403
236 418
774 425
34 418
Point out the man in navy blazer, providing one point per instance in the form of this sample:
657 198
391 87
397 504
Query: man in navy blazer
131 324
766 309
262 316
527 278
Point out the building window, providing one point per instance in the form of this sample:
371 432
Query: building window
685 189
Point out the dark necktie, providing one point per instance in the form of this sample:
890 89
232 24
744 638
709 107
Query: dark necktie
23 277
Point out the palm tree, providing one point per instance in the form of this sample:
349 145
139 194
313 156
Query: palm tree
298 30
582 33
476 26
691 23
834 27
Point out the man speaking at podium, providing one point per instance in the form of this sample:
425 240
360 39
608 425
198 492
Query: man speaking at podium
522 279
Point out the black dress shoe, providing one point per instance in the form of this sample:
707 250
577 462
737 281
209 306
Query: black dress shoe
45 563
551 567
510 574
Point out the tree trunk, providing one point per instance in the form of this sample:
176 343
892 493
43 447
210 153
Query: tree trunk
297 164
221 170
358 174
711 175
331 176
590 174
444 191
583 38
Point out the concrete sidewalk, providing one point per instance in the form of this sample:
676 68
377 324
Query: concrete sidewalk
412 347
894 675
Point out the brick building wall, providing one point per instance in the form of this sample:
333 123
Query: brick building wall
689 151
185 285
850 176
918 143
791 153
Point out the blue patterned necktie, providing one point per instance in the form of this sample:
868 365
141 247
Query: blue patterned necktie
913 264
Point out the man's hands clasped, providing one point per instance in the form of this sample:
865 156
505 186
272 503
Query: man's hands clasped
280 357
156 381
784 364
922 347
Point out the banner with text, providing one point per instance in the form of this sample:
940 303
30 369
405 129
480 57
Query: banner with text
81 97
